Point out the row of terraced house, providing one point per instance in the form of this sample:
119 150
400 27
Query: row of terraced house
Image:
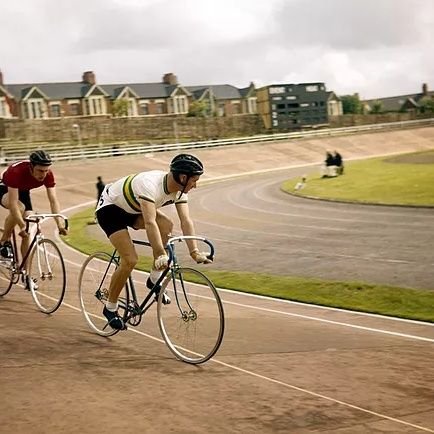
279 105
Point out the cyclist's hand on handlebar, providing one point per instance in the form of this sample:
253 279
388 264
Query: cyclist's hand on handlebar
161 262
63 231
200 257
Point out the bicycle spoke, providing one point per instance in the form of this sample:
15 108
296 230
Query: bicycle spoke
46 276
193 324
94 281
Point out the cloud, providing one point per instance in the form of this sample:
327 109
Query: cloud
374 47
355 25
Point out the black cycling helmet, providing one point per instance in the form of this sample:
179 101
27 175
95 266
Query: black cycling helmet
186 164
40 158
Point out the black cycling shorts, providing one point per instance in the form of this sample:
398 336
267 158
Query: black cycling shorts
111 218
23 197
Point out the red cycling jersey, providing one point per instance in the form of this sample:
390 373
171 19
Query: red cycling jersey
18 175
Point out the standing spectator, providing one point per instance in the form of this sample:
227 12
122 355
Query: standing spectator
99 188
338 163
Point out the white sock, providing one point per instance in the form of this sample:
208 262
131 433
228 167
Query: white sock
155 275
112 307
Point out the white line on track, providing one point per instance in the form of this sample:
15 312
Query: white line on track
287 385
255 296
307 317
281 383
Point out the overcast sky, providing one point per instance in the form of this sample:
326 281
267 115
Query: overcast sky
374 47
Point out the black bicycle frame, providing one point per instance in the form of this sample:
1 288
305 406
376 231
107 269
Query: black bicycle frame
145 305
21 266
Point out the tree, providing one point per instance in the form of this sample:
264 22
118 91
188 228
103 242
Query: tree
377 107
120 108
351 104
427 105
199 109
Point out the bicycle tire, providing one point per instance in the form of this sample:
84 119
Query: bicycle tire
7 276
94 280
47 275
193 324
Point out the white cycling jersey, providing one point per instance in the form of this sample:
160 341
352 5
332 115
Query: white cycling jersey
150 186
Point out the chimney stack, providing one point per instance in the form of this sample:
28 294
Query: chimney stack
89 77
425 89
170 78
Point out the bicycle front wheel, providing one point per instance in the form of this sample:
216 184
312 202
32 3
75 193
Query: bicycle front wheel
47 276
192 325
93 287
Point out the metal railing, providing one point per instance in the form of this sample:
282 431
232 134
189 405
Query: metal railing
65 152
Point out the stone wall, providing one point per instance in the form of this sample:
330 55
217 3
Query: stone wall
147 129
354 120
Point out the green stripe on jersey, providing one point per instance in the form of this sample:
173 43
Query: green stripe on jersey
129 194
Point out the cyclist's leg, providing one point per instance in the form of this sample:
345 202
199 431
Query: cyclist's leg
121 241
10 221
165 225
24 198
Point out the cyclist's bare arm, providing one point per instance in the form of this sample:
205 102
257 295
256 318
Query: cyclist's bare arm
149 214
187 225
55 209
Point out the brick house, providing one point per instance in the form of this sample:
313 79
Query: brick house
401 103
87 98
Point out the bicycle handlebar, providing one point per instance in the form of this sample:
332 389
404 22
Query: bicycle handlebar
36 218
171 242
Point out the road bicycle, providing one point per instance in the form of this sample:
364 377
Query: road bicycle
42 270
192 325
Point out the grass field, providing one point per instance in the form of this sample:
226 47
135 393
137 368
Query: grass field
358 296
405 180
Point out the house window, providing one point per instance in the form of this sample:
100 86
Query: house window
4 108
312 88
159 108
34 108
55 110
95 105
236 108
74 109
221 109
251 104
144 108
180 104
132 107
290 97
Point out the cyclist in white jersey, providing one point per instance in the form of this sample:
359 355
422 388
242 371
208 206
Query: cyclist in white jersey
135 201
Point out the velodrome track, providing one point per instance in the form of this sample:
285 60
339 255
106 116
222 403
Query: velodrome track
283 367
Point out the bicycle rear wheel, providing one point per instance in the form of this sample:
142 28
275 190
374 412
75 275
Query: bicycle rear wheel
93 286
47 276
193 324
7 275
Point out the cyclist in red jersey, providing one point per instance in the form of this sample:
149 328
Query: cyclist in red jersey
17 181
